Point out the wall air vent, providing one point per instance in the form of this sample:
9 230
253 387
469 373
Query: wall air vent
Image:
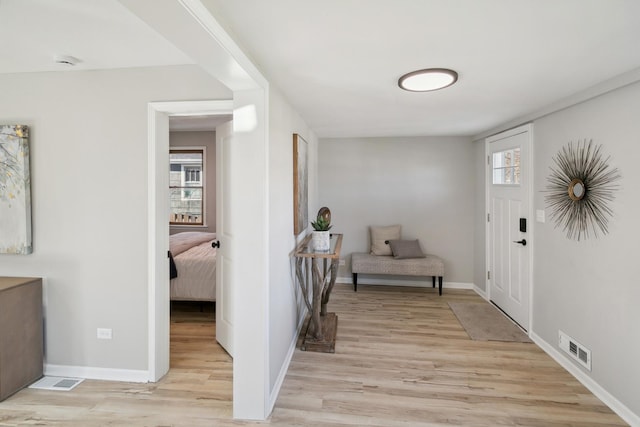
574 349
56 383
583 355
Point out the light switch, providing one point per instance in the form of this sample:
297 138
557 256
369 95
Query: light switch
540 215
104 334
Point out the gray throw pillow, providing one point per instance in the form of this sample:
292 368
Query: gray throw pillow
403 249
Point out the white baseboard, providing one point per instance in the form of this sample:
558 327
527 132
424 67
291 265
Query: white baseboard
480 292
88 372
275 391
616 406
400 282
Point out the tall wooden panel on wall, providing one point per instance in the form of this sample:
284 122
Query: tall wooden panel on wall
21 333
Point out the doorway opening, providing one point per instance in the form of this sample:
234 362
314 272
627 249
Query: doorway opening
192 219
159 255
242 149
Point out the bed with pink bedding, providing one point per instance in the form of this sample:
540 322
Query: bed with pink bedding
195 264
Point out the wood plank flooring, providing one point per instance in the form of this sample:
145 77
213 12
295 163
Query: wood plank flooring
402 359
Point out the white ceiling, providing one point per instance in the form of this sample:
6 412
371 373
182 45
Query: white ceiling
101 33
196 123
338 61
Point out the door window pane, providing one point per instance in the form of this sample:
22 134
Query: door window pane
506 167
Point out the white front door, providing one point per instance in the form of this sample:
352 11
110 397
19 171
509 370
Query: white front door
225 232
510 222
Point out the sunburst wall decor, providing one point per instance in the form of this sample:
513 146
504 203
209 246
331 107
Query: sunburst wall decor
580 186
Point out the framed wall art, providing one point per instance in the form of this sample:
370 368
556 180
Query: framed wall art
300 184
15 190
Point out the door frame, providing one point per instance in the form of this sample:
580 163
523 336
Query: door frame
158 226
192 28
525 128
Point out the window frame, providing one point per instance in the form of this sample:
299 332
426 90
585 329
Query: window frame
183 181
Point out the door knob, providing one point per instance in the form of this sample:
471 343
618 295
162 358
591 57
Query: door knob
215 244
523 242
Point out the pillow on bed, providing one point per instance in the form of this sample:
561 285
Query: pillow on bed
404 249
379 237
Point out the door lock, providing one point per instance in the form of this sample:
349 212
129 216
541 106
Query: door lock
215 244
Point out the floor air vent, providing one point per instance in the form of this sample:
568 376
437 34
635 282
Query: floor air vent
56 383
574 349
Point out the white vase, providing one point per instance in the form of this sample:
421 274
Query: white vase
320 241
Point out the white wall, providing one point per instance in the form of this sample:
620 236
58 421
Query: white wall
480 217
589 289
285 303
200 139
425 184
89 187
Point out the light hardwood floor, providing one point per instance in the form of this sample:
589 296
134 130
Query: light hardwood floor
402 359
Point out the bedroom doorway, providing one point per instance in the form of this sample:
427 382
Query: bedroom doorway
248 167
158 172
200 319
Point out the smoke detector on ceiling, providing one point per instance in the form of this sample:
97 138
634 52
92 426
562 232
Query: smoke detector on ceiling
66 60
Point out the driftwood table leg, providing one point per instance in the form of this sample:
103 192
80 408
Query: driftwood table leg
327 290
303 281
318 281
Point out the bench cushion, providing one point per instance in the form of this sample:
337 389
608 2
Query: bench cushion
430 265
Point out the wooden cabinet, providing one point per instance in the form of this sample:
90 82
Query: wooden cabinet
21 333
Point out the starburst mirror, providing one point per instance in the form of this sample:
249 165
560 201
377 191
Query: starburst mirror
580 186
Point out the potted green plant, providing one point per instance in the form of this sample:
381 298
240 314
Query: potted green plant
321 239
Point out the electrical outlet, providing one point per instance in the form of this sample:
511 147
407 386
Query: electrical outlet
342 262
105 334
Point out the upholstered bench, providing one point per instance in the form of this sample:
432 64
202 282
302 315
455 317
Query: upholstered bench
365 263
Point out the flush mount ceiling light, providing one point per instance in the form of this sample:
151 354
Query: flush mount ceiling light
428 79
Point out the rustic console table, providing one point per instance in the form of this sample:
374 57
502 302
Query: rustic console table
318 270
